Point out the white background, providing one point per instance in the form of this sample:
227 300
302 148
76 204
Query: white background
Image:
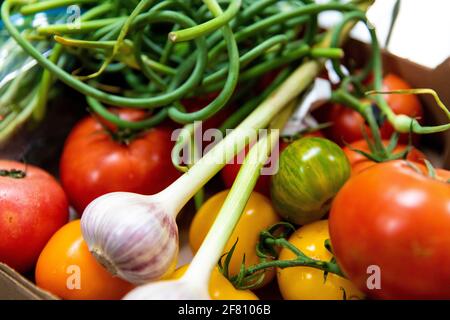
422 32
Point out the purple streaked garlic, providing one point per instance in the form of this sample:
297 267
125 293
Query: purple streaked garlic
151 234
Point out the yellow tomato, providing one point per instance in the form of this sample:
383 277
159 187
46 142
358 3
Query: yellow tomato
258 215
219 286
304 283
67 269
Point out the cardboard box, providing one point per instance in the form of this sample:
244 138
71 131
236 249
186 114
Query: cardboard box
13 286
63 116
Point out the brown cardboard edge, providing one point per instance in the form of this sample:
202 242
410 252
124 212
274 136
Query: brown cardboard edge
16 287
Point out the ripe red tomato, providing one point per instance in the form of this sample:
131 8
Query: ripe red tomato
346 126
93 163
32 208
393 223
231 170
359 162
347 123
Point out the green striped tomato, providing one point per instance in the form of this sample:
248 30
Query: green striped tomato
311 172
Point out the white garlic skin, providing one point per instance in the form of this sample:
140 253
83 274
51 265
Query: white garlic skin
132 235
180 289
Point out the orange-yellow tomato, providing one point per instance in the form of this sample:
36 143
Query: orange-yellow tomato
67 269
305 283
258 215
219 286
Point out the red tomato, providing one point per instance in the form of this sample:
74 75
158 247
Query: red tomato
347 123
392 223
93 163
359 162
346 126
231 170
32 209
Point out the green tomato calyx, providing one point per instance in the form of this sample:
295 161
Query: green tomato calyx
13 173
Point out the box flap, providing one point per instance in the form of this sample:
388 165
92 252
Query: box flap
13 286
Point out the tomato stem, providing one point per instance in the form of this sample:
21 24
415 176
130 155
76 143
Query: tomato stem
247 275
378 152
299 261
268 248
122 136
345 98
431 170
13 173
403 123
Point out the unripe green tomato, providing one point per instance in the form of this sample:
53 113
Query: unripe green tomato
311 172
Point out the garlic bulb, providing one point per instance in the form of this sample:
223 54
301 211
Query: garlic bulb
181 289
131 235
